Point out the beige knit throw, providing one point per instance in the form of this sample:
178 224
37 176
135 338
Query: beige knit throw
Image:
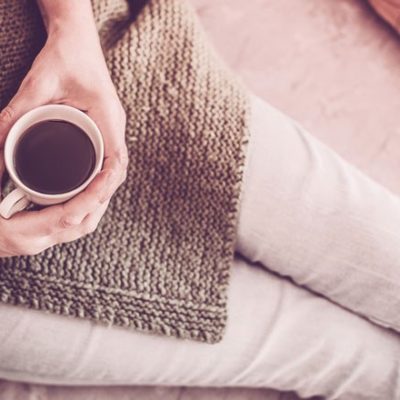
159 260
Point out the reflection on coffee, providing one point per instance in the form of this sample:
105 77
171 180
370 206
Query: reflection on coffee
54 157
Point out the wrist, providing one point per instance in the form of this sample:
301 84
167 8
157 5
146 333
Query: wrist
80 29
73 17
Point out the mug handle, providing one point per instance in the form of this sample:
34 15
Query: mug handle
15 201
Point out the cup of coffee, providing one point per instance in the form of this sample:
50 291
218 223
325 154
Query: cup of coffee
51 154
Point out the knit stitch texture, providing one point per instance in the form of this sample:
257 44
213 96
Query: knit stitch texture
159 261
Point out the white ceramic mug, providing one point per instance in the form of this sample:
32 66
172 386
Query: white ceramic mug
20 197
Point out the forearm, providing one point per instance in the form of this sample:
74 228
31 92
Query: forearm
75 15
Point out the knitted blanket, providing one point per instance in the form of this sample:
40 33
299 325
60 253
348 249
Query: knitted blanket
159 261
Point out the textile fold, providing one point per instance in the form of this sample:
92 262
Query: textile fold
159 261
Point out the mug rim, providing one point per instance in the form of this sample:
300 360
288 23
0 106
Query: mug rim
16 131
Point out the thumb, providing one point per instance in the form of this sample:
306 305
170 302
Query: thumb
28 97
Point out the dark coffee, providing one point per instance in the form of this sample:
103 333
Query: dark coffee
54 156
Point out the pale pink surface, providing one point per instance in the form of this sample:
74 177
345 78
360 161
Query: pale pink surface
332 65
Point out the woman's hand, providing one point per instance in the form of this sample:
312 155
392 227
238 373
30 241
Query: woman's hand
70 69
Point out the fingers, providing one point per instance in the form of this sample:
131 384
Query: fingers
29 242
75 210
53 219
59 218
38 230
30 95
111 119
115 166
87 226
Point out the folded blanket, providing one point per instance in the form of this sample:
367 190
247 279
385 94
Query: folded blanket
159 260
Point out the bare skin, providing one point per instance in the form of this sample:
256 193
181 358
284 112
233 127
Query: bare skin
70 69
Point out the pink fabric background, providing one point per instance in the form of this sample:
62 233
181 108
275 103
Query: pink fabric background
332 65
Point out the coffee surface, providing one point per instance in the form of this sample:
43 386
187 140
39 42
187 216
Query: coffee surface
54 157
